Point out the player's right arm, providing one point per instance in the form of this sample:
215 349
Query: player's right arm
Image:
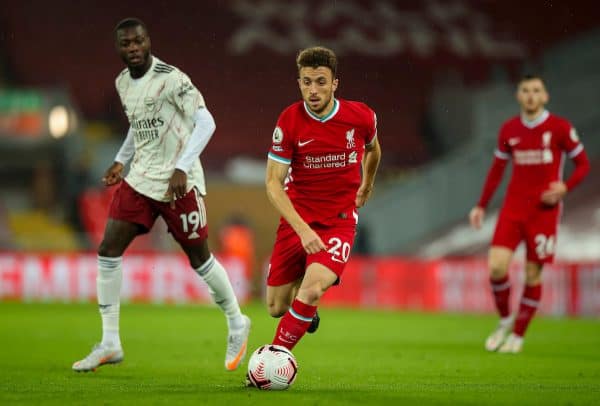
275 180
113 174
501 156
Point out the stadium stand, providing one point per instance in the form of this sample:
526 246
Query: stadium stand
431 207
397 57
240 54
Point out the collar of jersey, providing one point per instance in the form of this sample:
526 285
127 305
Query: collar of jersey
334 110
536 121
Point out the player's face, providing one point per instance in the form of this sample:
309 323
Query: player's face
532 96
133 45
317 86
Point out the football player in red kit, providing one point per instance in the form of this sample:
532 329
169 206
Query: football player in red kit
537 142
321 167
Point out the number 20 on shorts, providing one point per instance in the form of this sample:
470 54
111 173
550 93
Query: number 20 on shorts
340 251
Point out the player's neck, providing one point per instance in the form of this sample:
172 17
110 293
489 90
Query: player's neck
324 114
136 72
532 115
327 110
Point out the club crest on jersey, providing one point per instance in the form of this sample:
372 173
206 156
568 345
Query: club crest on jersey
350 139
546 137
150 104
277 135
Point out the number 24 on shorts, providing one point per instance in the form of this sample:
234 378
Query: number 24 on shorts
544 245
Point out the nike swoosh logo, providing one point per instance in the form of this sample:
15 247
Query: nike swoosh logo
301 143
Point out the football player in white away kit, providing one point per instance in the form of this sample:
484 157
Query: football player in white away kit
169 127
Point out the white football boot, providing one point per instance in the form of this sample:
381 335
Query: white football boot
495 340
100 355
512 345
237 344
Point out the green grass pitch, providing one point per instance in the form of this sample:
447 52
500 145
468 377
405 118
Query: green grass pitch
174 355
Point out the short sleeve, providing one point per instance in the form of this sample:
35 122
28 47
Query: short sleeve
371 133
503 149
282 143
570 141
183 94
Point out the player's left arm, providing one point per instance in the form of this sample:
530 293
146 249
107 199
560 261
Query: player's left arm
370 163
203 130
574 148
188 100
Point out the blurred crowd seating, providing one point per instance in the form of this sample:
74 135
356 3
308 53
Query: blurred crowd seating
246 85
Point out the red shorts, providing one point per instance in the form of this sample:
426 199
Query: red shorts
289 260
538 230
186 222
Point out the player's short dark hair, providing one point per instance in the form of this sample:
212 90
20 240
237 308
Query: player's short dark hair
130 22
314 57
531 76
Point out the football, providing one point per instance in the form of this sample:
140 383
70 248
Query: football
272 367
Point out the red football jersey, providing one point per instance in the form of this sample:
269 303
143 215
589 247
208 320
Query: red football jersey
537 149
325 156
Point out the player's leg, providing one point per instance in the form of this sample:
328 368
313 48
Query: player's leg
506 238
286 270
532 293
296 321
540 240
129 216
324 270
498 263
189 227
280 298
214 275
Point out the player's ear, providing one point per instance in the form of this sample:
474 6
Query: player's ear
545 97
335 84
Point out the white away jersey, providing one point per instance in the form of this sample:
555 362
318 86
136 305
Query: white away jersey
160 107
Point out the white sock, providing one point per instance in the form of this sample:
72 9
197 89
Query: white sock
506 321
221 291
108 285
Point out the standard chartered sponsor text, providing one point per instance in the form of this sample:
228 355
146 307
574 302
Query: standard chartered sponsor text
325 161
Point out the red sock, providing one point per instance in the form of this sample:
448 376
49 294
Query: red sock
294 324
501 292
527 308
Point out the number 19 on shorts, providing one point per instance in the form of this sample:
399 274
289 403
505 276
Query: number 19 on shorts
194 219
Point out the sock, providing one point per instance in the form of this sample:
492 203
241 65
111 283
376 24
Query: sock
294 324
529 304
108 285
501 292
221 291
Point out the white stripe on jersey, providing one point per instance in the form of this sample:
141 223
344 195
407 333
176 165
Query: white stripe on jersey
501 155
575 151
